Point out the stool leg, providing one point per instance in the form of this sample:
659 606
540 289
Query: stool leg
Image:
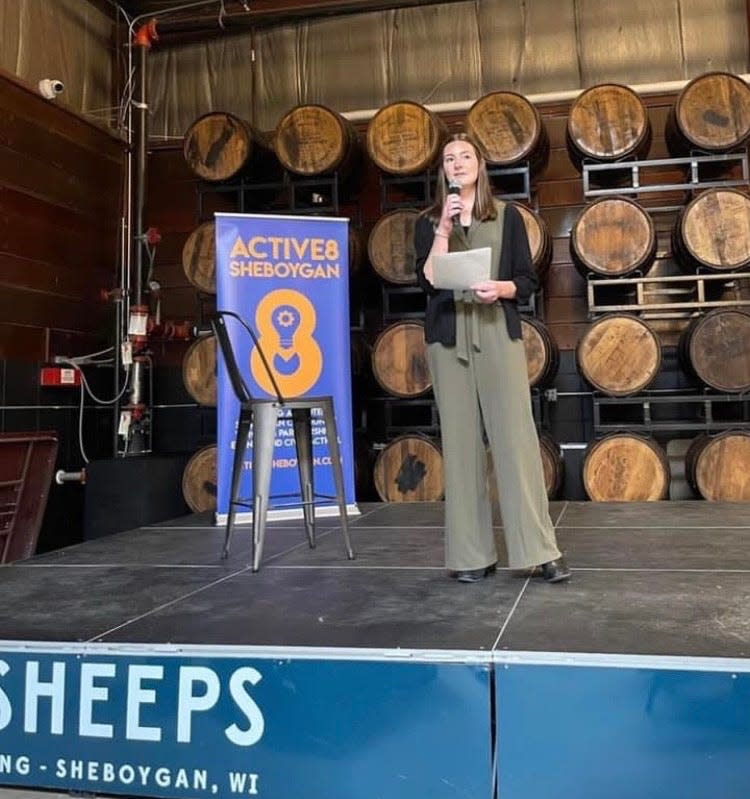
303 440
240 446
265 415
338 475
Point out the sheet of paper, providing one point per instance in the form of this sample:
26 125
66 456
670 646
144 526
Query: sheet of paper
461 270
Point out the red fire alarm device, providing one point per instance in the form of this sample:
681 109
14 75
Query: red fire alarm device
60 377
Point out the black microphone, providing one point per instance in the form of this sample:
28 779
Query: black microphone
454 187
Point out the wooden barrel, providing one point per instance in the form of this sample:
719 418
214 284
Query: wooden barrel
619 355
712 114
399 360
718 466
314 140
409 469
713 232
553 467
542 354
626 467
607 123
540 240
405 138
199 258
509 129
391 246
199 480
716 349
613 237
219 146
199 370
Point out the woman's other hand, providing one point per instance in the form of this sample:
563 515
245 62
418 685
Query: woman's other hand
489 291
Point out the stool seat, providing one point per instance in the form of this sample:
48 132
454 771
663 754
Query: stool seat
262 415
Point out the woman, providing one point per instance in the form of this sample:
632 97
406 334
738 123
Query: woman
478 365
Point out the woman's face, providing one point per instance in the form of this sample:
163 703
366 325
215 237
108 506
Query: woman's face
460 163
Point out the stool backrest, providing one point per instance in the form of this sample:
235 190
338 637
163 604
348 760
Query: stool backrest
240 387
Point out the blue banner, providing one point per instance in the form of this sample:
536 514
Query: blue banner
623 732
288 278
186 725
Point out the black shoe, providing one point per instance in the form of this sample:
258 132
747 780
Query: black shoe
555 571
473 575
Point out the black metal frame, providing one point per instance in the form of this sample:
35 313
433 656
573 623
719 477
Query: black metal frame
632 170
644 402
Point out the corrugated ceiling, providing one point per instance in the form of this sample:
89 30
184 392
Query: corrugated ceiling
446 52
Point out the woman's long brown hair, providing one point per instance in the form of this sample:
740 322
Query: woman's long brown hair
484 206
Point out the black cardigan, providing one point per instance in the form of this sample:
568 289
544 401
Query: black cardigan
515 265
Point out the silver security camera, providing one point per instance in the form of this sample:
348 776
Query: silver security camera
51 87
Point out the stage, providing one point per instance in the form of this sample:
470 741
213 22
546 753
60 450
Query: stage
381 676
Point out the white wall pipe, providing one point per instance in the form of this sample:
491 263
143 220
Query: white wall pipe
544 97
61 476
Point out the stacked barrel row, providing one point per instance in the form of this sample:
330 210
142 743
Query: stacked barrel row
612 237
620 354
633 467
607 123
615 236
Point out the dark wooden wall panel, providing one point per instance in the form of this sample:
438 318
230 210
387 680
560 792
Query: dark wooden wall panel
72 341
54 236
76 152
176 207
29 307
561 193
61 201
563 281
170 213
40 277
170 255
32 174
22 342
559 166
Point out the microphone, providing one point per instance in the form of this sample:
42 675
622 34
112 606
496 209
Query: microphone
454 187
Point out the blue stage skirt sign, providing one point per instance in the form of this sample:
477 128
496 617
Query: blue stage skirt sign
203 724
638 728
287 276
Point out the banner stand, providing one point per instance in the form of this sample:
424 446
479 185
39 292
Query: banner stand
288 278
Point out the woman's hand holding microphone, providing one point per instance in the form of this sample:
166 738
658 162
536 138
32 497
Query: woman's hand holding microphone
452 208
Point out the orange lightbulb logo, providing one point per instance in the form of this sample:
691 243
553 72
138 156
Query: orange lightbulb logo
285 321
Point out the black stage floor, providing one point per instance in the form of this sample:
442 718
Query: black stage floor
669 578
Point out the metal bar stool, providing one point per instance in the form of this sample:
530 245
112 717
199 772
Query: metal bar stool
262 415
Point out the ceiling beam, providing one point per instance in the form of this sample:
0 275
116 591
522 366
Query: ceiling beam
205 23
